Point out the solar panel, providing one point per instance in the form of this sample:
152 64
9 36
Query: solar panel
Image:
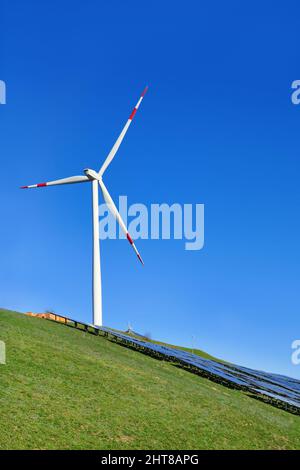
277 388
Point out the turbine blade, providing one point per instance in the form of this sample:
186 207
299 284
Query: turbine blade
118 142
71 180
111 205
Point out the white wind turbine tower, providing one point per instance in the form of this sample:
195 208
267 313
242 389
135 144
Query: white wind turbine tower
95 178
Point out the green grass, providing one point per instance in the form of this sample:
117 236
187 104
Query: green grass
65 389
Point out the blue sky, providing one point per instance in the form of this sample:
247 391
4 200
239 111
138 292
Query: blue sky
217 127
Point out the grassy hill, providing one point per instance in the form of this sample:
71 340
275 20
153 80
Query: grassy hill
65 389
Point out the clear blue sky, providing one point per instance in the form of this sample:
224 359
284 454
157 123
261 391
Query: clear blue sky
216 127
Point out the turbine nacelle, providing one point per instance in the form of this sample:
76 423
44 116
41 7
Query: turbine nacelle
92 174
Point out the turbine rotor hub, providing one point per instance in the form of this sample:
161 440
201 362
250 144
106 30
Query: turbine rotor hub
91 174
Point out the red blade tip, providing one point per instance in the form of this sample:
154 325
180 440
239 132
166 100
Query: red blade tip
140 258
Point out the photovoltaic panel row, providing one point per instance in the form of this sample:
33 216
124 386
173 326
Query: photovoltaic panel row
275 386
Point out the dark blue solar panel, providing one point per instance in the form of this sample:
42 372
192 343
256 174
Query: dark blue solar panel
277 387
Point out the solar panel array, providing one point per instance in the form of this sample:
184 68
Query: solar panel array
281 391
278 389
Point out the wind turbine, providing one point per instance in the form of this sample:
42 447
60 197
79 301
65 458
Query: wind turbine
95 178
